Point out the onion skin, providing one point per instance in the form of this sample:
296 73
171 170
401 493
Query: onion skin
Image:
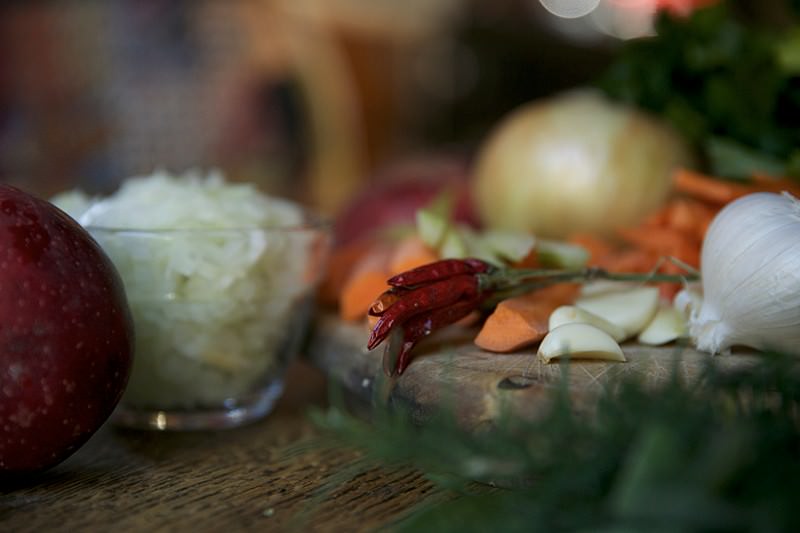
577 163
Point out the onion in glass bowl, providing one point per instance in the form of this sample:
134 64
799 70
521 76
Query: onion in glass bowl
220 280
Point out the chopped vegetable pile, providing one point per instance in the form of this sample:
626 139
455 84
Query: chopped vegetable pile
526 297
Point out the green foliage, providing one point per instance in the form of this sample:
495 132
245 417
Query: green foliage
722 454
729 86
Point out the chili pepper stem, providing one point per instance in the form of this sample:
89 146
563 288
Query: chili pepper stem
511 278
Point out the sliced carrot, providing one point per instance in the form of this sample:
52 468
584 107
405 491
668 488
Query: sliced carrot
707 188
659 217
680 215
410 253
700 217
769 183
598 248
340 265
663 242
631 260
529 261
365 283
719 192
522 320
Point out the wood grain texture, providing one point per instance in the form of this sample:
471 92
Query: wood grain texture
274 475
277 474
450 371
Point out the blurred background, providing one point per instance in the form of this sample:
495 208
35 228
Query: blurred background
308 98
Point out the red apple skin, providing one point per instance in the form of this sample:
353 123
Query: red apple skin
394 195
66 335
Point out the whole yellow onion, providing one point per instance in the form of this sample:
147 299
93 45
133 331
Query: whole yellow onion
575 163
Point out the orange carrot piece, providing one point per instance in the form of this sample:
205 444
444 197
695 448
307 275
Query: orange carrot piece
366 282
704 214
659 217
765 182
663 242
720 192
410 253
680 215
598 248
529 261
631 260
522 320
340 265
707 188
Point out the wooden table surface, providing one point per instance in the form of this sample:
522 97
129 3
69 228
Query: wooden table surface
272 475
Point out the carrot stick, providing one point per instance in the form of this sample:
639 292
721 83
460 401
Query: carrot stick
663 242
522 320
764 182
631 260
690 217
597 247
707 188
410 253
340 266
719 192
366 282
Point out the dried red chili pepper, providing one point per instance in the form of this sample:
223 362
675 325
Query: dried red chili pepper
424 299
384 301
439 270
421 326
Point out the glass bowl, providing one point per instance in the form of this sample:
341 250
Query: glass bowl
218 315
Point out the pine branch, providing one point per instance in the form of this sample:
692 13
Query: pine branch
722 454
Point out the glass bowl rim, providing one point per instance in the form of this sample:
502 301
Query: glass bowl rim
311 222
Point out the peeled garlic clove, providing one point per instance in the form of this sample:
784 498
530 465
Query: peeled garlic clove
686 301
631 310
569 314
602 286
668 324
580 341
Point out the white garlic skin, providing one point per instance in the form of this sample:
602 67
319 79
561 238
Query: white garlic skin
750 268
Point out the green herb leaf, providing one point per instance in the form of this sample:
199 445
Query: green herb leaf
726 84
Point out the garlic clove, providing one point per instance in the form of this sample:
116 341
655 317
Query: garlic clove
631 310
668 325
687 301
570 314
579 341
602 286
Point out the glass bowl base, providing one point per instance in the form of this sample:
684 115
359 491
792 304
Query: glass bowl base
240 411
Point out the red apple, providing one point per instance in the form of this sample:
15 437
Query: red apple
66 335
395 194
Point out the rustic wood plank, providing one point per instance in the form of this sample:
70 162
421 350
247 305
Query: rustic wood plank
277 474
450 367
274 475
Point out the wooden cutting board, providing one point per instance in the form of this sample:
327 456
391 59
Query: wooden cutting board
449 371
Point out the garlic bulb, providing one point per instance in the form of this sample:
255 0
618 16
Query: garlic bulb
750 267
